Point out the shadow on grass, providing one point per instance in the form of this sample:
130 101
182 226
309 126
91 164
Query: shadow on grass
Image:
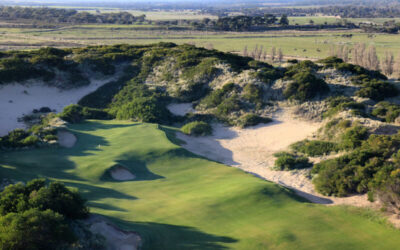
167 236
136 167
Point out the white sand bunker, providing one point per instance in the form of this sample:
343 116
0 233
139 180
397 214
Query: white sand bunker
116 239
120 173
252 150
180 109
66 139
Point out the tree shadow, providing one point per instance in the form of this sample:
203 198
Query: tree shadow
136 167
167 236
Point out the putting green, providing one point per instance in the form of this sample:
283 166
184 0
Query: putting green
181 201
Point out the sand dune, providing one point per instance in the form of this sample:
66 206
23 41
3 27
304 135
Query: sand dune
17 100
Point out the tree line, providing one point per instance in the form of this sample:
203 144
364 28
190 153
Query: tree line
53 15
366 56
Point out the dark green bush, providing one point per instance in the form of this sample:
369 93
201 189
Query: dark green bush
377 90
305 86
75 113
362 170
252 120
197 128
287 161
314 148
353 137
387 111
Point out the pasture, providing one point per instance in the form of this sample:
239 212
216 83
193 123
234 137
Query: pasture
301 44
182 201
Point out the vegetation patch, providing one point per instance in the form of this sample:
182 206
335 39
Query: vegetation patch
197 128
314 148
287 161
249 120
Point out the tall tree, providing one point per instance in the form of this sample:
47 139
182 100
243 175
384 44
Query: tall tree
284 20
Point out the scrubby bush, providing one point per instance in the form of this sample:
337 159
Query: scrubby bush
387 111
353 137
253 94
362 170
342 103
197 128
377 90
287 161
75 113
248 120
314 148
305 86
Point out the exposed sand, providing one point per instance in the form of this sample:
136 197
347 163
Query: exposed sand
116 239
252 150
180 108
121 174
17 100
66 139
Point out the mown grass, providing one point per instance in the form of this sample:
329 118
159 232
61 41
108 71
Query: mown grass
182 201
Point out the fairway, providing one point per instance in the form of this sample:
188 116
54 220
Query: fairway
182 201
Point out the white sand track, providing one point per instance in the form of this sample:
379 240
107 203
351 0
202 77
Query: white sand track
252 150
17 100
66 139
121 174
116 239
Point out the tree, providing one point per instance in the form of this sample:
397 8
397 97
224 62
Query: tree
34 229
280 55
245 52
284 20
388 63
273 54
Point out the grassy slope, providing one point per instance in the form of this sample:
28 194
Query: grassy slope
181 201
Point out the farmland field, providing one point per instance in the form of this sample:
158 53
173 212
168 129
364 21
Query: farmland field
303 44
181 201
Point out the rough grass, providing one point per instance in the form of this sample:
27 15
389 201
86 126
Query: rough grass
181 201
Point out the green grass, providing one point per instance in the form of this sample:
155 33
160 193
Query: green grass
181 201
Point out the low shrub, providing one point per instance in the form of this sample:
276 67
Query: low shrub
386 111
197 128
314 148
377 90
75 113
353 137
305 86
248 120
287 161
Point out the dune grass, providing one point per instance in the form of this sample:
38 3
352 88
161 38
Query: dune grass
182 201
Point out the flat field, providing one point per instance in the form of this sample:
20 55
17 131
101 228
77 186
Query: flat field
182 201
301 44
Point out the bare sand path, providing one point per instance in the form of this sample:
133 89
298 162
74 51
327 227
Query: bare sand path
252 150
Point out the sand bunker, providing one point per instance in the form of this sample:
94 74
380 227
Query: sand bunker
66 139
120 173
116 239
252 150
17 100
180 109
